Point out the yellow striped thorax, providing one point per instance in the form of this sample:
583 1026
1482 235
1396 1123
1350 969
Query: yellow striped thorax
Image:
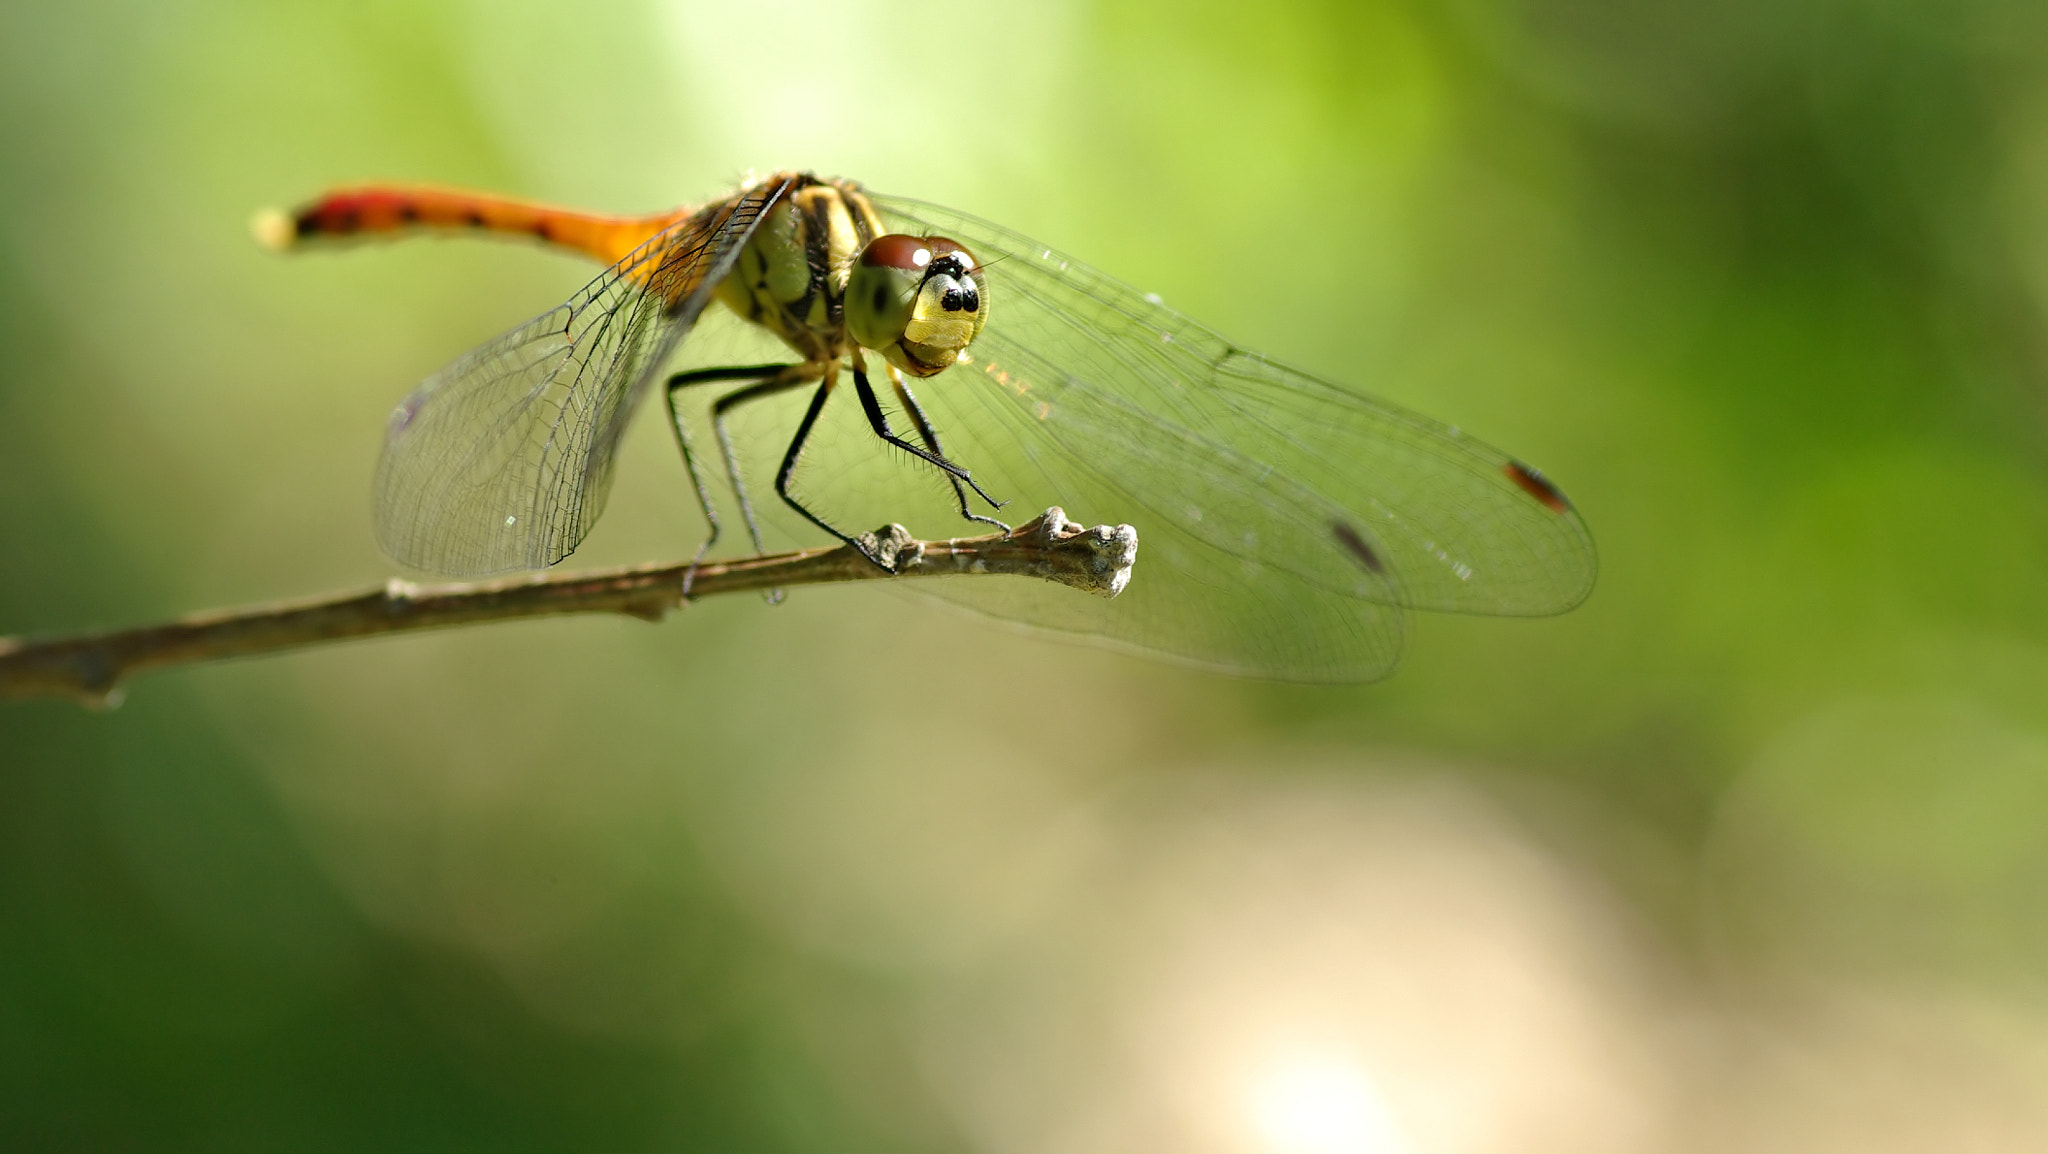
820 273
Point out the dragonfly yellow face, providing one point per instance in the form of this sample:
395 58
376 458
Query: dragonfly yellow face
1288 521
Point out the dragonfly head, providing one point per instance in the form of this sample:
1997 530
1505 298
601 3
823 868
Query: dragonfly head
917 300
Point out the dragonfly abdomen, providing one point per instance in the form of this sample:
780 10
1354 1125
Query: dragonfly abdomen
392 210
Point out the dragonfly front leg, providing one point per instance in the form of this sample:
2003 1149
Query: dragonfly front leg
930 437
879 422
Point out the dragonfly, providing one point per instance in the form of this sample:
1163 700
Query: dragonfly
1289 523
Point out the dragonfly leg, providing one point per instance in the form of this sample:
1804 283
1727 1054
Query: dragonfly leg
678 383
789 462
786 377
930 437
879 421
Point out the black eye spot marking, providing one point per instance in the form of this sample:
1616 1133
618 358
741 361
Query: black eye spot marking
1354 543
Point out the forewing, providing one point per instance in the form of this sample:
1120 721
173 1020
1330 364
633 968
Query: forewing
1283 520
502 460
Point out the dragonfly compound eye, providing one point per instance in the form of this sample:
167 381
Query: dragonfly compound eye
918 301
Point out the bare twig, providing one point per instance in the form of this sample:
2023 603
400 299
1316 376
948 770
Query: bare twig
90 667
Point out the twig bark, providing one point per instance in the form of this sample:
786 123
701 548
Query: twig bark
90 667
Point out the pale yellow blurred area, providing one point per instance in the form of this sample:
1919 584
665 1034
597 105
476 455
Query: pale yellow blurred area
1250 950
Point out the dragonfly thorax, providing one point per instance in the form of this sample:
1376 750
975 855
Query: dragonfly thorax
820 273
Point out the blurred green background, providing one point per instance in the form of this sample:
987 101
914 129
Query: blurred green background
1750 852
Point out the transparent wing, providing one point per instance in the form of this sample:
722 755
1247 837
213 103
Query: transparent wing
502 460
1284 521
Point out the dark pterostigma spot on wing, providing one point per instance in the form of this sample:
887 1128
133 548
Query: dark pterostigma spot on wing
1538 486
1354 543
